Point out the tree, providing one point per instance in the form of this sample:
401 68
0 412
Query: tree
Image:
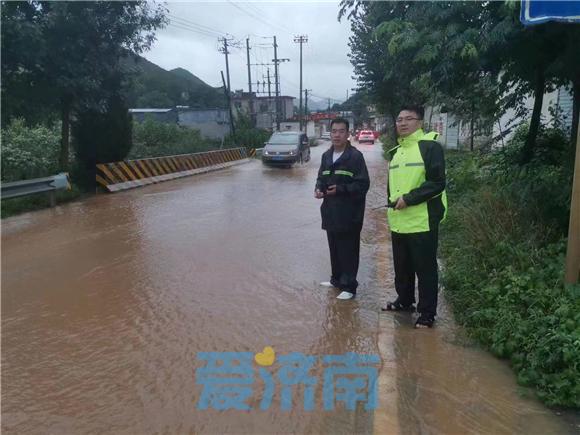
101 137
25 93
461 54
75 46
526 56
417 53
358 104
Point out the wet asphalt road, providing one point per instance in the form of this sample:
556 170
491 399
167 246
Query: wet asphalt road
107 301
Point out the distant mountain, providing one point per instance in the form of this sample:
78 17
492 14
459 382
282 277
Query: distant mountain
153 87
183 73
317 105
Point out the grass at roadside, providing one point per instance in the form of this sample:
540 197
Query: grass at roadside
15 206
503 248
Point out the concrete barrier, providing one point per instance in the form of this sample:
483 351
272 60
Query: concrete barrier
255 152
129 174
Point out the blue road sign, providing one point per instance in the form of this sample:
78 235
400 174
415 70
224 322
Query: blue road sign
541 11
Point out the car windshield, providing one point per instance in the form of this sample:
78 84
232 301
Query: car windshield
283 139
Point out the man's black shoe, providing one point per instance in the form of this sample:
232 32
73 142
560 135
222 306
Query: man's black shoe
398 306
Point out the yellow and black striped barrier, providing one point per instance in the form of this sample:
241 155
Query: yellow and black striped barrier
255 152
128 174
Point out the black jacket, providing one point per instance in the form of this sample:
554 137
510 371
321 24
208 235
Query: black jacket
345 210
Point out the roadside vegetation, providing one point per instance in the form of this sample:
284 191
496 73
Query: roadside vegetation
156 139
30 152
504 240
503 248
246 135
66 94
33 151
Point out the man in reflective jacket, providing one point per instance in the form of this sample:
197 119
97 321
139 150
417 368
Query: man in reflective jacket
418 202
342 183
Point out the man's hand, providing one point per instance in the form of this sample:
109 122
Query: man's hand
318 194
331 190
401 204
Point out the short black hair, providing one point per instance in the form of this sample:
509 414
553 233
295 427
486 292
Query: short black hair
419 110
340 121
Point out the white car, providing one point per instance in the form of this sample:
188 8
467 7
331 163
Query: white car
325 135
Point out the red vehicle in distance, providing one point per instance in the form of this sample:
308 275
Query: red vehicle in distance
366 136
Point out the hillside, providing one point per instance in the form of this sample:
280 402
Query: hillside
152 86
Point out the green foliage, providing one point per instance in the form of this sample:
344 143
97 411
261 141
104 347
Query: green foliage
422 52
388 143
358 104
15 206
29 152
152 86
156 139
67 52
474 58
246 135
503 250
100 138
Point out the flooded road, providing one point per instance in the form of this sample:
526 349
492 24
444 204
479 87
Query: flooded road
106 303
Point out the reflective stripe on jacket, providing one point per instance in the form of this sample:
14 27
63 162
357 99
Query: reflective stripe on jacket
345 210
417 173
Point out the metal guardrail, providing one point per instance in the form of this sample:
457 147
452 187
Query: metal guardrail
51 184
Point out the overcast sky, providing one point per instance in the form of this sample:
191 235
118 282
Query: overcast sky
191 42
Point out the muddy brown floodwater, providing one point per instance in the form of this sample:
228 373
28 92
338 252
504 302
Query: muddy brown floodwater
107 301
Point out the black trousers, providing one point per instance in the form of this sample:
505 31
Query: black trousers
344 257
416 254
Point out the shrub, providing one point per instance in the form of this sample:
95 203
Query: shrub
100 137
29 152
389 143
503 247
246 135
155 139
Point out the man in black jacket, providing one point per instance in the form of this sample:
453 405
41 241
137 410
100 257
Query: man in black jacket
342 183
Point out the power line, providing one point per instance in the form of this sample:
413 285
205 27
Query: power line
310 94
256 17
176 26
260 12
194 25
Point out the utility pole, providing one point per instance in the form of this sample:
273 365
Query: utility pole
306 105
329 105
252 114
573 249
277 82
276 85
269 91
225 51
229 101
300 40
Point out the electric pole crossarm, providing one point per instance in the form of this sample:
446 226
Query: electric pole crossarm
227 42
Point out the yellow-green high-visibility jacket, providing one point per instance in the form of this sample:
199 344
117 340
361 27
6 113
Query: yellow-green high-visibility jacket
417 173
